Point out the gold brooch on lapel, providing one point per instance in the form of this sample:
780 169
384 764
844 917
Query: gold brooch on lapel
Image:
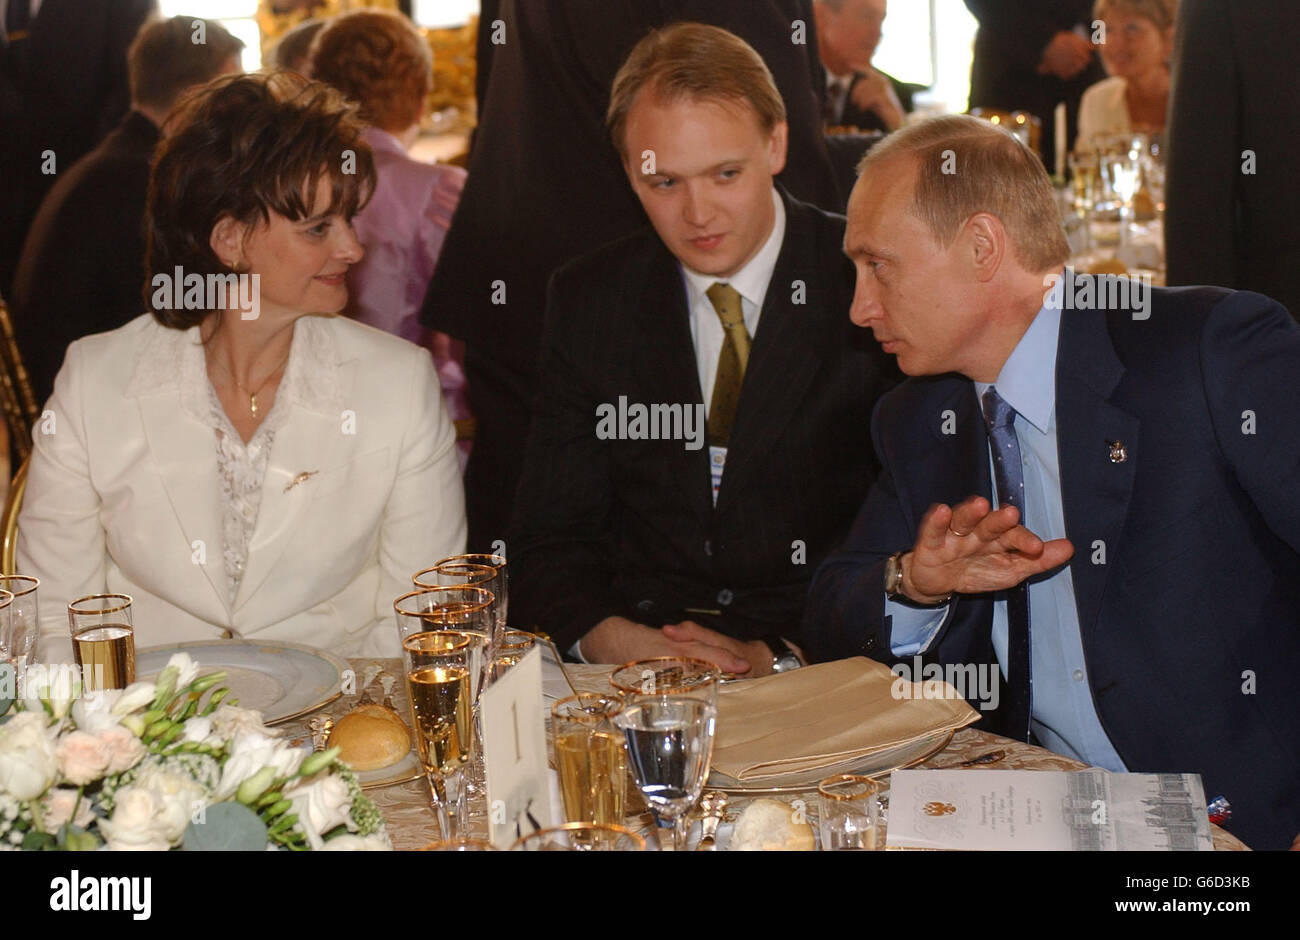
299 478
1118 452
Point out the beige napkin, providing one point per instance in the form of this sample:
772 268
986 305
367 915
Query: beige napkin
825 715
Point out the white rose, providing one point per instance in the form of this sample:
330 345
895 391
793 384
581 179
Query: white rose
229 720
136 696
94 711
56 809
347 842
249 753
177 796
187 668
82 757
137 823
124 748
27 762
321 805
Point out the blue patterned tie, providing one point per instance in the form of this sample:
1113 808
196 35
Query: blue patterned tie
1008 474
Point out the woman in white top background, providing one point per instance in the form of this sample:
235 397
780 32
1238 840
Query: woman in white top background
1139 40
246 463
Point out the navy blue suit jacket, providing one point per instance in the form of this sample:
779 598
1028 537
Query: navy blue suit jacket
1189 619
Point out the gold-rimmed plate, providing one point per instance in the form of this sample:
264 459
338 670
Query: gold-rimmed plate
879 764
281 680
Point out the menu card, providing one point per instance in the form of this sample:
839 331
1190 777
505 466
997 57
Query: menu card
1083 811
514 752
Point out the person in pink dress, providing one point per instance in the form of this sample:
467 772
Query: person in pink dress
379 60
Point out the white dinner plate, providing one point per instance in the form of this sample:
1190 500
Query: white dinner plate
872 765
281 680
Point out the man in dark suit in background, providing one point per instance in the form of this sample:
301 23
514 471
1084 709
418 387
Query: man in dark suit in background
545 186
857 94
63 87
1147 435
1030 55
82 267
644 528
1234 132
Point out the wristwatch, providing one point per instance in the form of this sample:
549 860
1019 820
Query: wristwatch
783 658
894 582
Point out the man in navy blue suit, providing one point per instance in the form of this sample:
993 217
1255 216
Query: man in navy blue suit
1136 593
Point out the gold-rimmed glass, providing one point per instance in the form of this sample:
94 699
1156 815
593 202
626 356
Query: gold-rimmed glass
438 682
667 675
461 608
20 633
486 577
848 812
500 585
669 746
512 647
590 758
103 640
581 837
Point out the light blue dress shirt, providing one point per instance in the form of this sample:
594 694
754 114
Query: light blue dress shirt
1064 717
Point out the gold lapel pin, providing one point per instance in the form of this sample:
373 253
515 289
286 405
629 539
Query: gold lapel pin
1118 452
298 479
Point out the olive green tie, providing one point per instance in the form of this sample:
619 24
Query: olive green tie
731 362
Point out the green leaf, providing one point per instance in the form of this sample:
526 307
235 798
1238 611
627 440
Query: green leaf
75 839
226 827
38 842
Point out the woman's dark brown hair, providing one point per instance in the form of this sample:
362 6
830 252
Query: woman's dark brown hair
245 146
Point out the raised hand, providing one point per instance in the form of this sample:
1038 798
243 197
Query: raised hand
973 548
1065 56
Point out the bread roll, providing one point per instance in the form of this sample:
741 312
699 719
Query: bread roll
770 826
370 737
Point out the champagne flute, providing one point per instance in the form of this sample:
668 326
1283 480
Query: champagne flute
20 631
590 758
103 640
464 609
499 586
485 577
438 682
669 743
580 837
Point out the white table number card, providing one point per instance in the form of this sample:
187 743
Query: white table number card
514 752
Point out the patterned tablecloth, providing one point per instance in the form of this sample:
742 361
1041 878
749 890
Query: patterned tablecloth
411 823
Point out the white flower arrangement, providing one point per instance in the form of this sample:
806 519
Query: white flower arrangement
157 766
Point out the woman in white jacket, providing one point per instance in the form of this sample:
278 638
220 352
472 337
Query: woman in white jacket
240 460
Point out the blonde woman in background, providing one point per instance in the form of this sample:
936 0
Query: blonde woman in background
1139 41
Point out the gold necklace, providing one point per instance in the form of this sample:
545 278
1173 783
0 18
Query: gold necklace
252 396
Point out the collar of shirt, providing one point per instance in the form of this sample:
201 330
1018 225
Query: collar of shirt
1027 381
845 80
380 139
751 280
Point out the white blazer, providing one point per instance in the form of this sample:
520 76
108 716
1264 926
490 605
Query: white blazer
123 493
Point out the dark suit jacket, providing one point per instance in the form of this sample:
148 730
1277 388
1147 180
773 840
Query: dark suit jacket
72 93
82 267
1200 589
1008 47
1224 226
628 527
863 120
546 185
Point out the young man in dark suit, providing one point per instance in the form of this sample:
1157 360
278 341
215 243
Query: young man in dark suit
540 160
694 449
1145 436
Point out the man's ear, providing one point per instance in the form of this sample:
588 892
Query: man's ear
986 244
777 145
227 241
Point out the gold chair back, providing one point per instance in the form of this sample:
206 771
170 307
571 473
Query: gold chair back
16 397
9 520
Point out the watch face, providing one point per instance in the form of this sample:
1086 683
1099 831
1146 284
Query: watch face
785 664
